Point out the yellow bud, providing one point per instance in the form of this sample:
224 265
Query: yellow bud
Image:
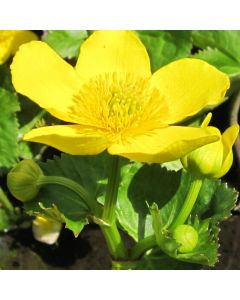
22 180
212 160
187 237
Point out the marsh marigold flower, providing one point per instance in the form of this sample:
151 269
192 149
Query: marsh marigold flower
113 101
213 160
10 40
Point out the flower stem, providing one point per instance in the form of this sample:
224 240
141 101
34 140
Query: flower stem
114 241
112 191
110 232
5 201
142 246
91 203
190 200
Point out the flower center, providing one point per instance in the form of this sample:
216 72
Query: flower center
117 103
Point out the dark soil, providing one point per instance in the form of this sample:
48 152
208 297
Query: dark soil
20 251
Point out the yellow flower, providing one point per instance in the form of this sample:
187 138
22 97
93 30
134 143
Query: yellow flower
213 160
10 40
114 102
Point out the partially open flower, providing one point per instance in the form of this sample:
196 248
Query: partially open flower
22 180
212 160
113 102
10 40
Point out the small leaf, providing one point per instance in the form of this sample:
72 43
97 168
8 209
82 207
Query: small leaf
76 226
66 42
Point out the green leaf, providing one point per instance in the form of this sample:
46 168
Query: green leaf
226 41
220 60
215 201
164 46
76 226
142 184
174 165
168 189
89 171
66 42
8 128
157 260
220 49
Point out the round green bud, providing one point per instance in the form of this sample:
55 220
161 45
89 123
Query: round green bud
186 236
22 180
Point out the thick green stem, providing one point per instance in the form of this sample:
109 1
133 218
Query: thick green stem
112 191
142 246
189 203
114 241
111 233
5 202
92 204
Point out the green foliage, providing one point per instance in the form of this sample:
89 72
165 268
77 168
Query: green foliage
164 46
226 41
148 194
66 42
168 189
221 49
9 105
89 171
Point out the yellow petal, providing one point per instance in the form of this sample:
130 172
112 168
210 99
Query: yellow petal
41 75
6 38
110 51
189 85
21 37
72 139
228 139
10 40
166 144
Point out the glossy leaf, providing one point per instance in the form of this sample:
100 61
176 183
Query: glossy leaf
89 171
164 46
66 42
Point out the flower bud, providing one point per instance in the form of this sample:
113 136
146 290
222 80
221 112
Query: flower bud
22 180
212 160
46 230
186 236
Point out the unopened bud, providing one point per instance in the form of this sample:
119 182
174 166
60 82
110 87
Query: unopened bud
22 180
186 236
